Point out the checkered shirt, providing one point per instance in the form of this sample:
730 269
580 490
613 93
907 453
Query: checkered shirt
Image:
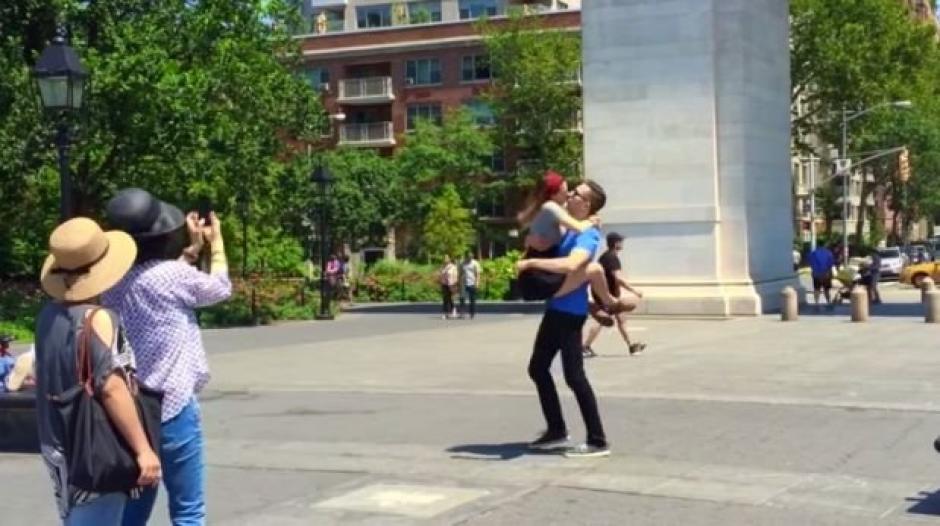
157 302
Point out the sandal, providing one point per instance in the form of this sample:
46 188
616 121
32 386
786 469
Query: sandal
600 315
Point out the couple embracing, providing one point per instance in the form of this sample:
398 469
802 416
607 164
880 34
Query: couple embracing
558 268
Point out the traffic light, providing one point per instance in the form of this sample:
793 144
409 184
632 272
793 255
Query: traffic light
904 166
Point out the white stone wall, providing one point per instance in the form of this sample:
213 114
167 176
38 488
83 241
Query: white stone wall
687 126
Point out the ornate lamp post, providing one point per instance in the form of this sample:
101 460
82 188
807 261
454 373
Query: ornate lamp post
323 179
61 78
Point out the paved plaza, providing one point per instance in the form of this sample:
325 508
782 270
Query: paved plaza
405 419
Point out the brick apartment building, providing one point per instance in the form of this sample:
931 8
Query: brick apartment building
382 65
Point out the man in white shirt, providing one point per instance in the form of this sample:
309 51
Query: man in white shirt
469 279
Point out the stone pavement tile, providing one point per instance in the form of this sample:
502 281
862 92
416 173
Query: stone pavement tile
848 494
555 506
418 501
728 484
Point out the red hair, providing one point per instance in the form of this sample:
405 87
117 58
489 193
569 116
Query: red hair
551 184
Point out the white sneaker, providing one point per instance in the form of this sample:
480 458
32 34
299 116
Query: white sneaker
587 451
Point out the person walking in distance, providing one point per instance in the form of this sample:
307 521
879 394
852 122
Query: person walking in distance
469 280
821 262
874 276
616 280
157 300
560 330
448 277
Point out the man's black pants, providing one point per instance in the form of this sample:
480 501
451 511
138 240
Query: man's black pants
471 295
562 331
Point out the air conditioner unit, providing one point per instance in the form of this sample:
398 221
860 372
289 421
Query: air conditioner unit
325 86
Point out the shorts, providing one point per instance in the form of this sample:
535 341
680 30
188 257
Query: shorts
823 282
540 285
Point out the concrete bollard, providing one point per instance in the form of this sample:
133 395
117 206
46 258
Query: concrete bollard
859 304
789 304
926 285
932 306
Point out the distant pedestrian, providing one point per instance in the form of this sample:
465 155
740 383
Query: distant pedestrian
619 288
157 300
448 278
821 262
874 276
83 263
334 271
346 280
469 281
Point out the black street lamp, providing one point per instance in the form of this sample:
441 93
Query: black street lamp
322 178
61 78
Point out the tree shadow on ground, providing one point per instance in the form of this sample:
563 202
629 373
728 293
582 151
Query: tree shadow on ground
493 452
925 503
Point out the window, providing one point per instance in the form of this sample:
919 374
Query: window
374 15
497 162
424 12
481 113
318 77
478 8
333 18
475 67
423 71
493 206
430 112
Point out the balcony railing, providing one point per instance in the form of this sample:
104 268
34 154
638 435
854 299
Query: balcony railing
366 90
367 134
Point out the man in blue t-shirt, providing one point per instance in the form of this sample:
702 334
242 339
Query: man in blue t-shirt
821 262
561 330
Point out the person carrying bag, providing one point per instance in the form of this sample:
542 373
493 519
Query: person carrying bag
92 429
99 457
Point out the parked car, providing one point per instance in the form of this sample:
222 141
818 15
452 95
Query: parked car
915 274
892 261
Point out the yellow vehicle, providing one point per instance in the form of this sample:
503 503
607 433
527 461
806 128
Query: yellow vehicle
915 274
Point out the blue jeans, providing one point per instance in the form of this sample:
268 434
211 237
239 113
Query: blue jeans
106 510
181 457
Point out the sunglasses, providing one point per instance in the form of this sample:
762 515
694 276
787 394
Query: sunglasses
576 193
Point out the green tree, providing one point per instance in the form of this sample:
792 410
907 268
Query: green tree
188 98
448 228
366 196
455 152
851 54
535 94
857 54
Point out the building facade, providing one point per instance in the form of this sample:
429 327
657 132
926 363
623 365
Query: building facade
383 65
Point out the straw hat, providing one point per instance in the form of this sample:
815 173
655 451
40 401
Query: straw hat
85 261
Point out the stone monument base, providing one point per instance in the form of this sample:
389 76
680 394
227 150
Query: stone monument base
713 299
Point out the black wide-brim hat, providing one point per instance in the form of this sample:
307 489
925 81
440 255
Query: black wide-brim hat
142 215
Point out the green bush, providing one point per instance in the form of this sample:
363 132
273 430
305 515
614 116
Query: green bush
497 274
20 303
274 299
396 281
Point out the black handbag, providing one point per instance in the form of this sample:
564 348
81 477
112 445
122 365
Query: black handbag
99 459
